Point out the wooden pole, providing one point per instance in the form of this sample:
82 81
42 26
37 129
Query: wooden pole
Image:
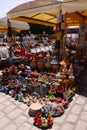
9 37
64 34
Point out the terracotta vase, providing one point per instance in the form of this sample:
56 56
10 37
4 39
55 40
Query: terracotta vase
33 64
54 65
40 64
55 68
48 66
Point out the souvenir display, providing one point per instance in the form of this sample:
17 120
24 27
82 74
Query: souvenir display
43 122
47 61
44 92
54 64
34 109
43 74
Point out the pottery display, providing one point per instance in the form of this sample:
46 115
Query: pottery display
40 64
64 62
34 109
42 92
33 64
55 67
43 122
48 66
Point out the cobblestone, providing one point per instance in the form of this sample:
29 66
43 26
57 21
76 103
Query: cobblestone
76 109
10 108
2 99
20 120
67 126
23 106
60 119
1 114
10 127
6 103
81 125
34 128
14 115
83 116
80 100
85 107
72 118
25 126
3 122
1 106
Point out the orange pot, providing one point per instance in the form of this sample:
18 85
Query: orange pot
40 64
33 64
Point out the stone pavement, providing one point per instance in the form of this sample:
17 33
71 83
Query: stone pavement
14 115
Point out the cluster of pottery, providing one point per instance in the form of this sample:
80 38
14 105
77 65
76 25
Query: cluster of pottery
52 91
21 82
44 62
43 122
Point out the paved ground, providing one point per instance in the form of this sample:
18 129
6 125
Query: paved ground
14 114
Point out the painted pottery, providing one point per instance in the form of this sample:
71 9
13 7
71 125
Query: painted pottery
34 109
40 64
33 64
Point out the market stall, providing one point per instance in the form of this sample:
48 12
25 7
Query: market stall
42 79
45 12
16 25
53 91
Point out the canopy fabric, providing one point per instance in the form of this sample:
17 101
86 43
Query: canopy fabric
2 29
45 12
16 25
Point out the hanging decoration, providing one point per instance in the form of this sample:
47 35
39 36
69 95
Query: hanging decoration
9 31
59 17
9 38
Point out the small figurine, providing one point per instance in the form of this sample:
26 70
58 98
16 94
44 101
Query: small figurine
49 120
44 123
38 120
70 71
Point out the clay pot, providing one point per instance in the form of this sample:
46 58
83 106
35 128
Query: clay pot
55 67
35 108
33 64
63 77
40 64
48 66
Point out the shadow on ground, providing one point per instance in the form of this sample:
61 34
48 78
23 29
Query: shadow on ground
82 86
